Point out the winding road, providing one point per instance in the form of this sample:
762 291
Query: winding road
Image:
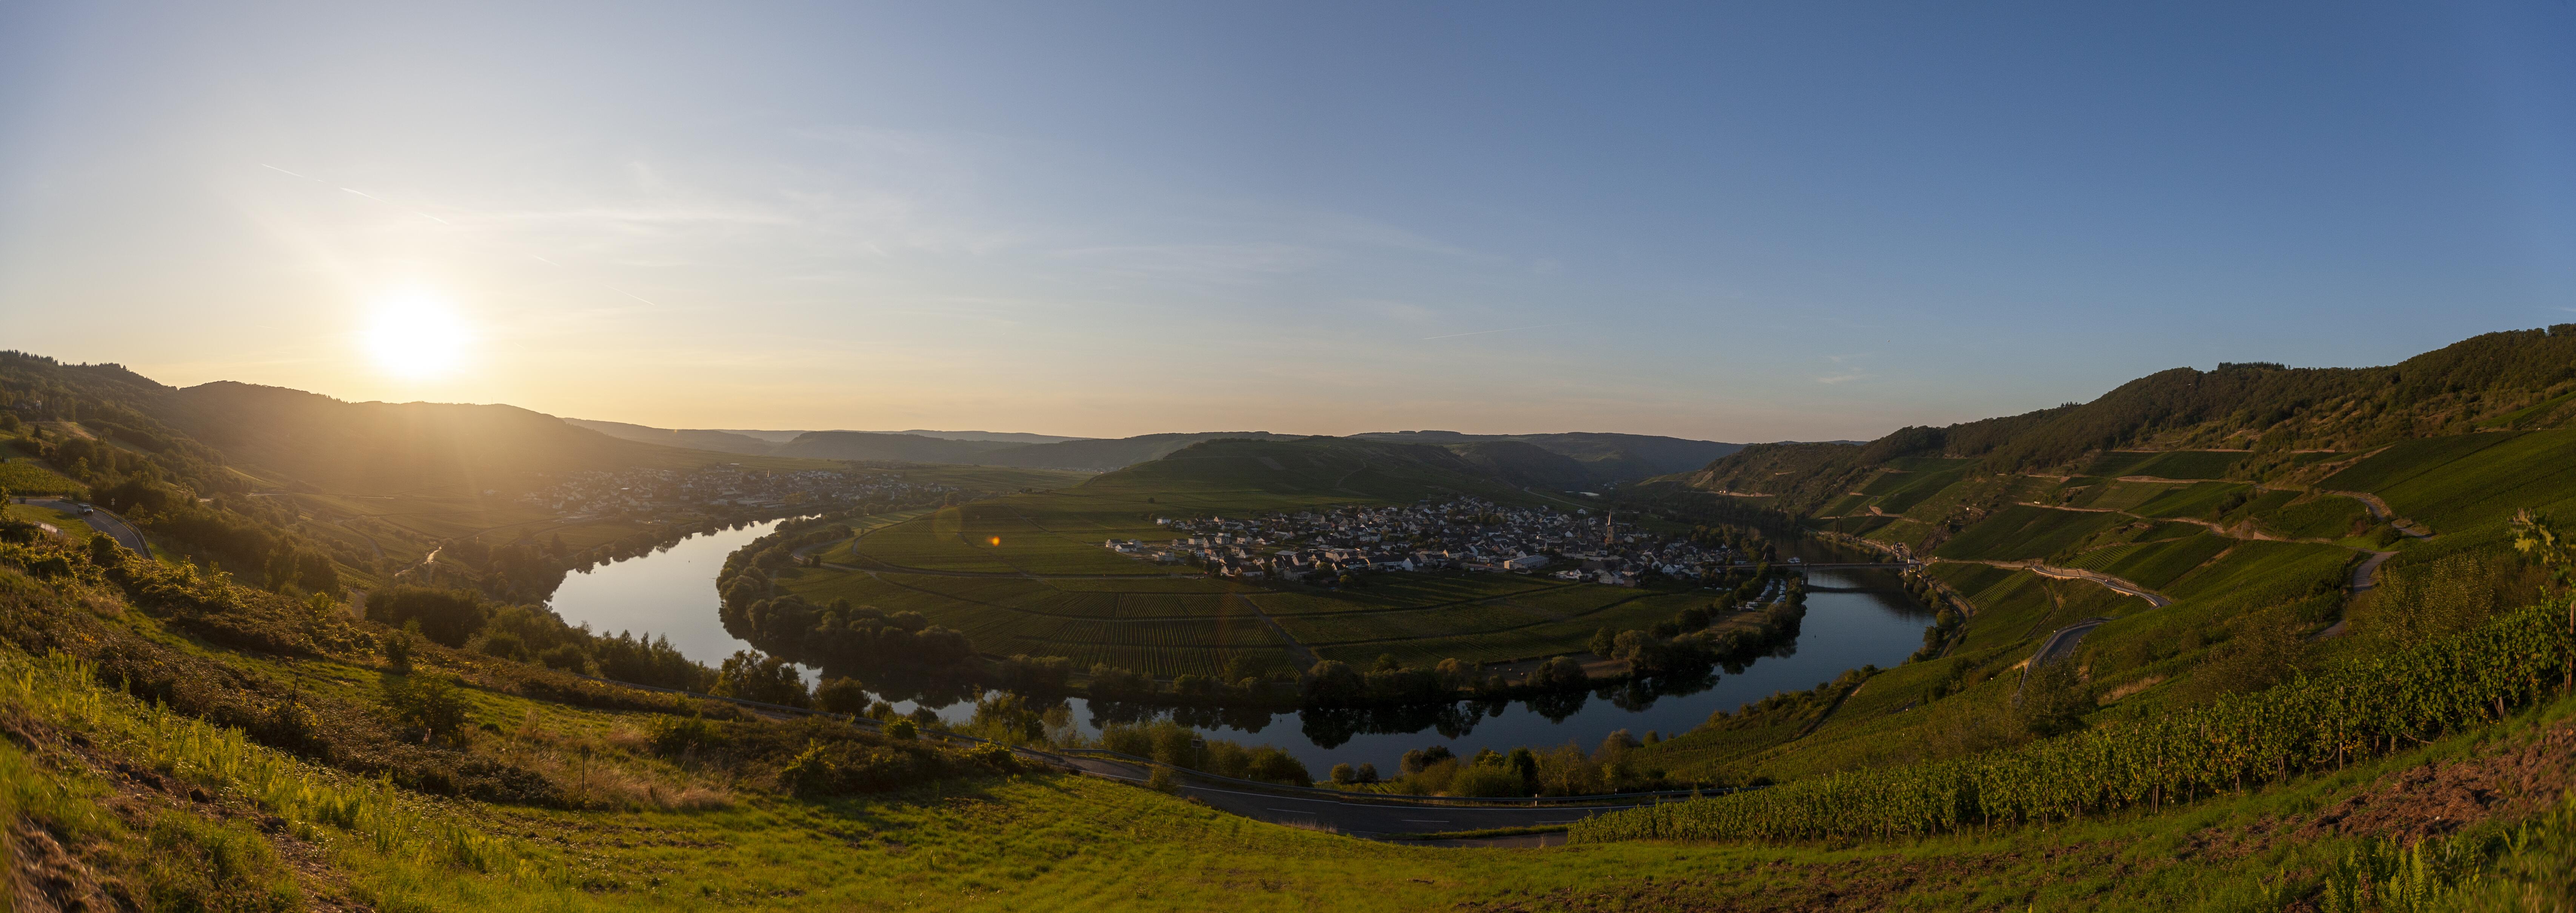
99 519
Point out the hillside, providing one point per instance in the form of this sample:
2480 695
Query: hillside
861 445
398 448
1608 458
1319 466
692 439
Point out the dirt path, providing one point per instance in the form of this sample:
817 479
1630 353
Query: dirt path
2153 598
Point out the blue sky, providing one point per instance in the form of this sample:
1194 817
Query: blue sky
1748 222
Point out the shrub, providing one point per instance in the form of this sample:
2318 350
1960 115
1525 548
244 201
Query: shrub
429 700
448 617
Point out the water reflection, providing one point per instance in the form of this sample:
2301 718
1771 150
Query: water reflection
1854 617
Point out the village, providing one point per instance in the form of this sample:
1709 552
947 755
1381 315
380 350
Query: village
646 491
1468 534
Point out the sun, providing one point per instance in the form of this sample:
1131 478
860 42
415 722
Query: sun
415 335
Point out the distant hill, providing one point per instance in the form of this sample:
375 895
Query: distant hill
395 448
1013 437
1330 467
692 438
1525 464
2277 417
1104 454
1608 457
863 445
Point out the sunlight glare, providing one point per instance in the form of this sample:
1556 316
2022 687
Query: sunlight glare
415 335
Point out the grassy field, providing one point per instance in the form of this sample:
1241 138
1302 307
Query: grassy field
1026 573
1049 842
71 524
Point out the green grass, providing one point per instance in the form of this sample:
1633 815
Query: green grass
2154 565
70 523
1045 842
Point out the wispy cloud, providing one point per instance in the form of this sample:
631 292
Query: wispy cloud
1541 326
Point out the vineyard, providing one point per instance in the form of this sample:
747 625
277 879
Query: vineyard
2368 707
2154 565
2170 464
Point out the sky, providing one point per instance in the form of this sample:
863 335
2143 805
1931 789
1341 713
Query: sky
1737 222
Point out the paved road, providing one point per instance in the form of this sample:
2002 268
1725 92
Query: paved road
100 520
2063 642
2364 575
1360 818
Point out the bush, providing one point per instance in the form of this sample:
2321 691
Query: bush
751 676
902 729
429 700
448 617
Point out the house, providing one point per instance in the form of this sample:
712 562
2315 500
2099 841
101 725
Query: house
1526 563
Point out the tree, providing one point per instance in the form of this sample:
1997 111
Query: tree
429 700
446 616
1603 642
1333 680
754 676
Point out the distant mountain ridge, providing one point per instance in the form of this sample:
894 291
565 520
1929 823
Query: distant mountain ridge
1606 457
2512 380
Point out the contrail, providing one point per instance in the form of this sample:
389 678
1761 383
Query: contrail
1503 330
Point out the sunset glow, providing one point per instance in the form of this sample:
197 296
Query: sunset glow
416 336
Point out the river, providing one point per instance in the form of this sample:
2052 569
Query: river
1854 618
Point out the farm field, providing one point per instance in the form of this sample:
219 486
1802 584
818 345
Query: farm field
2023 533
2166 464
25 476
2453 483
2157 564
1027 573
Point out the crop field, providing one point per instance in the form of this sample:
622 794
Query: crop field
1913 489
2155 565
2481 485
1393 591
1555 638
2112 494
2260 573
2022 532
2170 464
1173 624
24 476
2200 499
2406 459
2319 517
2014 606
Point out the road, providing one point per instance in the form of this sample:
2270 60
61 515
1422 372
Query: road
1364 818
100 520
2063 642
